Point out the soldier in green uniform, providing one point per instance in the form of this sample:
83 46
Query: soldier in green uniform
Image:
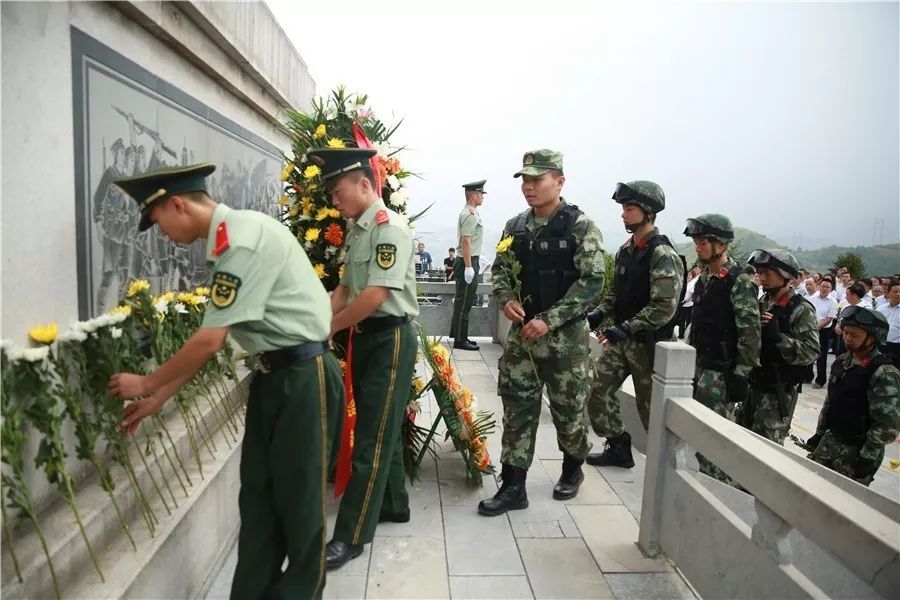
642 302
469 233
377 298
265 293
725 325
560 251
861 414
789 346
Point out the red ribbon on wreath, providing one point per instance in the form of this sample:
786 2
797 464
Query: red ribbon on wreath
363 141
345 455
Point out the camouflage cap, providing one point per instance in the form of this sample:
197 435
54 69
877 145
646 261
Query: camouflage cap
711 225
645 194
778 260
538 162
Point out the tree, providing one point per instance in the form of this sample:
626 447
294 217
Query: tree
853 262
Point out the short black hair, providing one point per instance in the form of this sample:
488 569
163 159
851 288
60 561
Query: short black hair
451 249
857 289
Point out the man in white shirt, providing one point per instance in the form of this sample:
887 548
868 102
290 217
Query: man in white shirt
878 296
891 310
826 312
810 287
687 305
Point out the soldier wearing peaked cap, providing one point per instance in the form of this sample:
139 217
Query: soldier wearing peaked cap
377 298
265 293
469 234
562 270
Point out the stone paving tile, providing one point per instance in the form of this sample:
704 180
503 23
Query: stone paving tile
490 588
425 513
546 445
594 490
631 493
454 490
635 473
649 586
611 533
408 567
562 568
467 534
344 587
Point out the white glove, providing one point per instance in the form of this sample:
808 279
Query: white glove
469 275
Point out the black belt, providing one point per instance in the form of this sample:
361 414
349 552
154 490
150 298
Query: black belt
285 357
376 324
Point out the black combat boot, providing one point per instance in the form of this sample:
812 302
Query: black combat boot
617 453
510 496
570 480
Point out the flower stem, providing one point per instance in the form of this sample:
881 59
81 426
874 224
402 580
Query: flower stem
204 432
107 484
162 474
158 420
153 480
146 512
70 500
226 430
190 431
8 536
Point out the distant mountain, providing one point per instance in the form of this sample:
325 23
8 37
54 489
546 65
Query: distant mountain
879 260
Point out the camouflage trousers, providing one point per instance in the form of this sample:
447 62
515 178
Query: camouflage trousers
842 458
767 416
611 369
711 391
562 360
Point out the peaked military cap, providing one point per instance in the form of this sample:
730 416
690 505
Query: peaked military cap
538 162
149 188
475 186
336 162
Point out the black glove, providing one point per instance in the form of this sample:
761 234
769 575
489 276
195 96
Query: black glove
813 442
594 319
771 332
738 388
865 467
615 334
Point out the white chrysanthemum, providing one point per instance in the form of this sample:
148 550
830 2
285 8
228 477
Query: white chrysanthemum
393 182
7 344
180 308
202 300
103 320
117 317
89 326
161 306
115 332
35 354
74 334
399 197
383 149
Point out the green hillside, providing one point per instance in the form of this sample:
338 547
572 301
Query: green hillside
879 260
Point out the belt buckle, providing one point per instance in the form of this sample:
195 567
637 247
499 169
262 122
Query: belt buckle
261 365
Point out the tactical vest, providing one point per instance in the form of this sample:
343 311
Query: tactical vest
632 282
774 370
848 394
713 332
547 258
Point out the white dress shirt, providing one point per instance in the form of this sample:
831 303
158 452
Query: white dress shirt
825 307
893 316
689 292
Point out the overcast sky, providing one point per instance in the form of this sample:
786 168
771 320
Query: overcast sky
783 116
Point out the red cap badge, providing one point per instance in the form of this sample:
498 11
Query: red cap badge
221 239
382 217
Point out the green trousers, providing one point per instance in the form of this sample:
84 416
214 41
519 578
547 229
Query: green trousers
293 416
383 364
464 299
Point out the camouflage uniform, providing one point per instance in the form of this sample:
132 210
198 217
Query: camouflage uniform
635 356
860 461
562 356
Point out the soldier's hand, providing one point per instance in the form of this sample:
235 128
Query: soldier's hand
137 411
771 332
128 385
514 311
469 275
535 329
813 442
615 334
595 319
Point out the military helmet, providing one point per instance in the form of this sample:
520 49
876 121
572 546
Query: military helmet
870 320
717 227
777 260
645 194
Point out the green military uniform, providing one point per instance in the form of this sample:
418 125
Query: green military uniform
789 345
468 225
725 330
265 290
642 302
378 252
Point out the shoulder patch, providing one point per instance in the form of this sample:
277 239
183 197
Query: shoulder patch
224 289
382 217
385 255
222 242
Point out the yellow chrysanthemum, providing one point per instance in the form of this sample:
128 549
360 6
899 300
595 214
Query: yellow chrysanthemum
312 234
197 299
311 171
202 291
504 244
341 272
295 210
137 286
320 270
419 384
323 214
44 334
334 213
286 171
335 143
320 132
184 297
125 309
168 297
284 200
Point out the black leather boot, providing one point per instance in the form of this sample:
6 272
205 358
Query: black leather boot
401 517
338 553
510 496
617 453
570 480
465 345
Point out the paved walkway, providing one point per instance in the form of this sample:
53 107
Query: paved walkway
583 548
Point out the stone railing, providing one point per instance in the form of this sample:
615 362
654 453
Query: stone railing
436 309
804 532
